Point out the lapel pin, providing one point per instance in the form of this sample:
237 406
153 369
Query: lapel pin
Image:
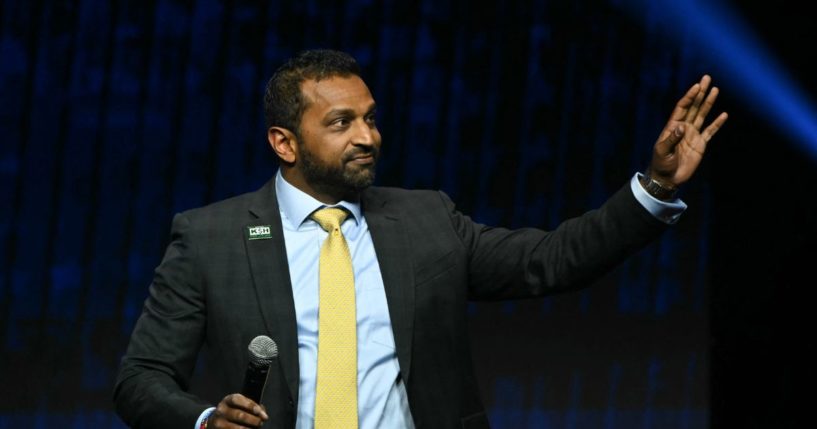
260 232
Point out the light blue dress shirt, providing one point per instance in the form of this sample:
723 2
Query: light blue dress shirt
382 397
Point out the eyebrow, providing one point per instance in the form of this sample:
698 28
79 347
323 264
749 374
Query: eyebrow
348 112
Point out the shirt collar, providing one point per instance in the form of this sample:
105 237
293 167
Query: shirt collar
297 205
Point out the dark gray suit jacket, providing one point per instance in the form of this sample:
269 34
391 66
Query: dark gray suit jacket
216 287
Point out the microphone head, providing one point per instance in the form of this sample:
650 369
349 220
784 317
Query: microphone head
262 350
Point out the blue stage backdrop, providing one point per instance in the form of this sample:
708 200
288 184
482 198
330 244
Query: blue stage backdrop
114 115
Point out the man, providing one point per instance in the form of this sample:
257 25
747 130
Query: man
255 264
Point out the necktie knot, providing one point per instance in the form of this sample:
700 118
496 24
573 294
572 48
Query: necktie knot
330 218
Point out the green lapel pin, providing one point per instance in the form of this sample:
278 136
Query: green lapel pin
259 232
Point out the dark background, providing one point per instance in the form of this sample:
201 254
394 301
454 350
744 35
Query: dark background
116 115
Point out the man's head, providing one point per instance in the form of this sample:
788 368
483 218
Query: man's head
284 103
320 122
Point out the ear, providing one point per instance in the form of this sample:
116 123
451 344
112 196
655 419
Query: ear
284 143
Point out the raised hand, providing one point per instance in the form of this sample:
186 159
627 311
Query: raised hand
681 145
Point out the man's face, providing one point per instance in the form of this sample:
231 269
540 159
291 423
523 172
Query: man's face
339 141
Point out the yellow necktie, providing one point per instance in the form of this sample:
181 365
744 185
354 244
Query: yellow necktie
336 391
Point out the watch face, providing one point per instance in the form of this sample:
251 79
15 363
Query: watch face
662 192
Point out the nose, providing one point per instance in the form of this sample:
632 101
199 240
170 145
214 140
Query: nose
365 134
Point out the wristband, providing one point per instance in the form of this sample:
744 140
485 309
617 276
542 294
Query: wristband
204 421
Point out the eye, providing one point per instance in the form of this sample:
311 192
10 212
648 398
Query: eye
340 122
370 118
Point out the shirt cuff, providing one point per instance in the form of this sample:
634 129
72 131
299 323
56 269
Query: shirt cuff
666 211
204 414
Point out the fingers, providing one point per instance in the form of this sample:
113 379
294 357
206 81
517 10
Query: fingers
237 411
694 107
705 108
683 105
667 146
243 403
699 97
714 126
696 103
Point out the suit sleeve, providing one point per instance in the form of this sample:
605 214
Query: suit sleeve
530 262
155 372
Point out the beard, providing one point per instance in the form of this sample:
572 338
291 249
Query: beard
344 180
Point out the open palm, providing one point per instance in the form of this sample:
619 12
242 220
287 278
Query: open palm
681 145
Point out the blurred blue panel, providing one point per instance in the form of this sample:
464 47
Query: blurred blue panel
722 37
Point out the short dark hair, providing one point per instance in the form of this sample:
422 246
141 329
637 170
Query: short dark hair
284 103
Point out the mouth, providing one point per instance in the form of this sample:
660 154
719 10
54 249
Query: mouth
362 159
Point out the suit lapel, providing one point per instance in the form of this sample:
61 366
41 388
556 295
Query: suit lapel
270 273
390 244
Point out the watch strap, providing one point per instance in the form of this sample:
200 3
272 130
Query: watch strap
656 189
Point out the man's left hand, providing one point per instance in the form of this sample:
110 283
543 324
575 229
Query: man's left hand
681 145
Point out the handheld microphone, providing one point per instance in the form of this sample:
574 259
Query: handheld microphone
262 351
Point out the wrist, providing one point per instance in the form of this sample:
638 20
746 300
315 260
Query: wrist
657 189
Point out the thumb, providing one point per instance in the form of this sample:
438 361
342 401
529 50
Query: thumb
667 146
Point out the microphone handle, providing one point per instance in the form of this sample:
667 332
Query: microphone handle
254 380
